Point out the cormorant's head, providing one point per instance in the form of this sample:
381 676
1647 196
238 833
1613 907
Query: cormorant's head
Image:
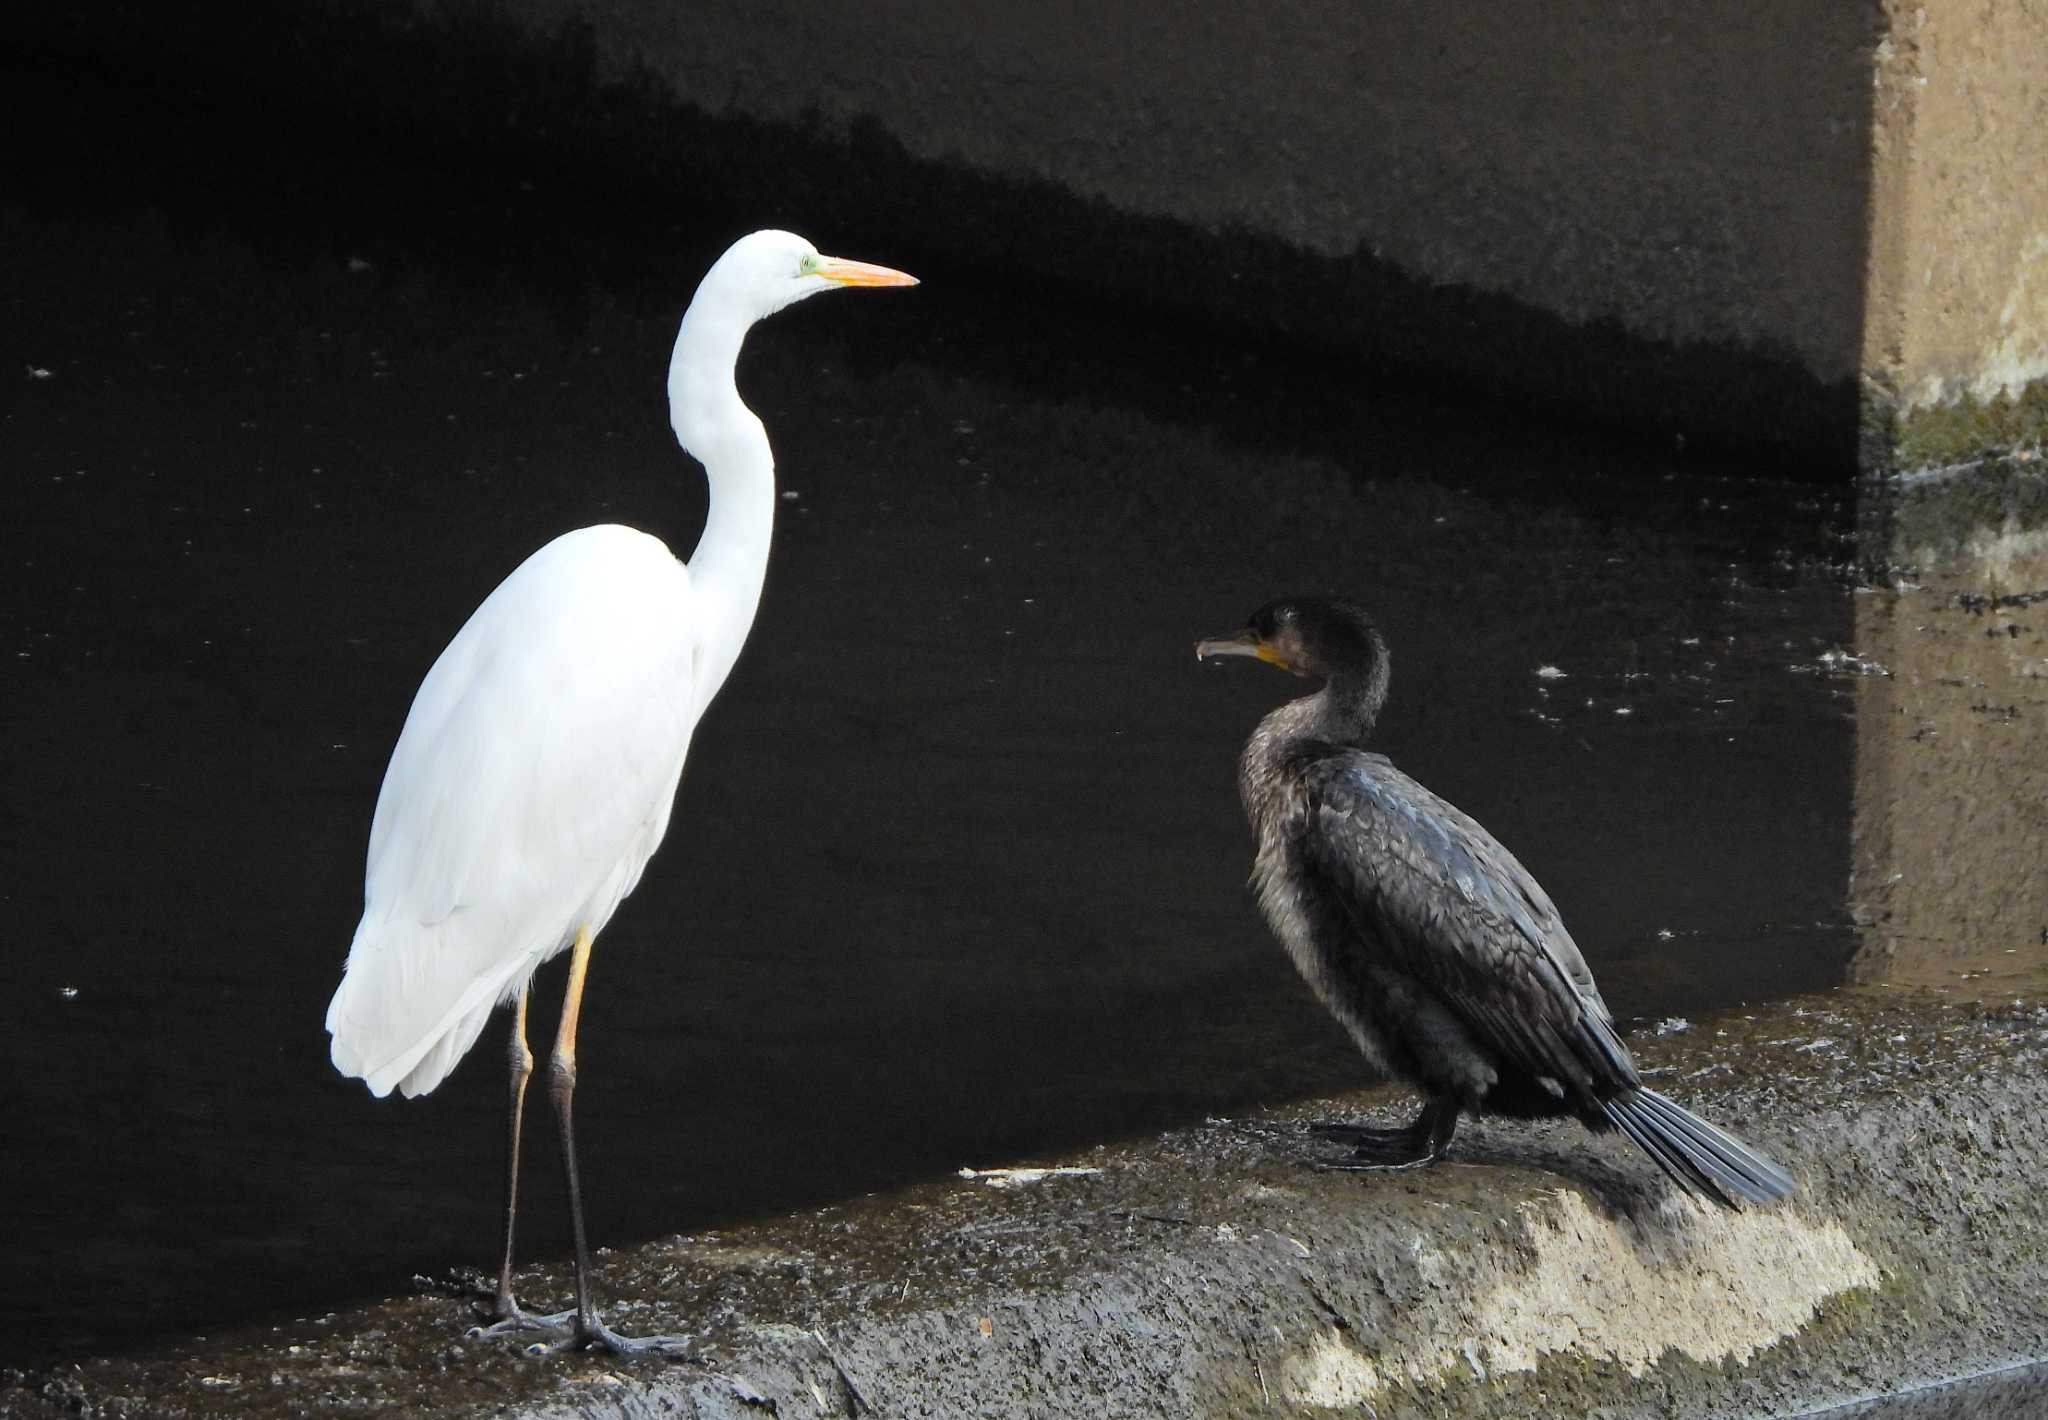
1318 637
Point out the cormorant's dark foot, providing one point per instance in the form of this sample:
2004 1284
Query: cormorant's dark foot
1364 1135
1374 1160
1414 1146
594 1335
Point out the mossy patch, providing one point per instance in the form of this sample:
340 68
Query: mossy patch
1968 429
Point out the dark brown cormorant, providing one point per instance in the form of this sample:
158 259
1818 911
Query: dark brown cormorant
1442 957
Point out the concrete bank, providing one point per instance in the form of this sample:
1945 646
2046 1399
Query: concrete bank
1214 1271
1814 229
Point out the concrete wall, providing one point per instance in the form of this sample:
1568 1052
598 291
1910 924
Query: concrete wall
1815 227
1956 336
1694 171
1847 196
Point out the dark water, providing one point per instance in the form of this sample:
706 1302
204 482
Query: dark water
956 874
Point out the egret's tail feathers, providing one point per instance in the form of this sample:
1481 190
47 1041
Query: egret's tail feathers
399 1023
445 1054
1698 1157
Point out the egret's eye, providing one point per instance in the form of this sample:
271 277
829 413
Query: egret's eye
807 264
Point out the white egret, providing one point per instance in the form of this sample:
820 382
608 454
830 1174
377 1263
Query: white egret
538 765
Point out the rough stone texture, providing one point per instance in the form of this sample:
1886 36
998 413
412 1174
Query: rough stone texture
1214 1271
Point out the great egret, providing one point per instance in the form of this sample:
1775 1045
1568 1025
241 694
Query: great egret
538 765
1435 949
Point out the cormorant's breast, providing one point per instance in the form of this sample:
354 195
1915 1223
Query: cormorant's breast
1435 897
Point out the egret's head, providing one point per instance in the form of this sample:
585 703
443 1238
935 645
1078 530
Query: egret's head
1310 636
765 271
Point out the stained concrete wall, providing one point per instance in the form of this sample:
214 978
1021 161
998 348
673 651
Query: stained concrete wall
1851 198
1694 171
1956 336
1813 228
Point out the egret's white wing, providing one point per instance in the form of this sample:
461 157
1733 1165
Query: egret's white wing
530 785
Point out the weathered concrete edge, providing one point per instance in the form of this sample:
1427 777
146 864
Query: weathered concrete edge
1213 1271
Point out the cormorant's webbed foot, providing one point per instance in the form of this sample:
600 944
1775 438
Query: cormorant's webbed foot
1416 1146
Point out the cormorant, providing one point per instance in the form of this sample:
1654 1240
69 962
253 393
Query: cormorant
1437 951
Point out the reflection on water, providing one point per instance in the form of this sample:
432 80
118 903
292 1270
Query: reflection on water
1951 881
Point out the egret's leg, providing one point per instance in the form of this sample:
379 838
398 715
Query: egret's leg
521 1059
590 1332
506 1314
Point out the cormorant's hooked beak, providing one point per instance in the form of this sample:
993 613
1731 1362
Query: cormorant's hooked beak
842 272
1244 643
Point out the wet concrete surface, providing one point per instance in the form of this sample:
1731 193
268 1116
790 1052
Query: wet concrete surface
1213 1270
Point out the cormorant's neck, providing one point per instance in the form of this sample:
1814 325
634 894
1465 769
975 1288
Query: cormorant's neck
715 426
1348 705
1341 713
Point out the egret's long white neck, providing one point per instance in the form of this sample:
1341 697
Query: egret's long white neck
715 426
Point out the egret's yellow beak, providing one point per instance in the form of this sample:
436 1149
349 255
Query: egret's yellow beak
843 272
1244 643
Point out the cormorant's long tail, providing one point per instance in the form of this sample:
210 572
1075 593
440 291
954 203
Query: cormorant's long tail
1699 1158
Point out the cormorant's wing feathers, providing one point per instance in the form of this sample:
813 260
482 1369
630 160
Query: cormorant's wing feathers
1448 905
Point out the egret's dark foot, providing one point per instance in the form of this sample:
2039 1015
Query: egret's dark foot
594 1335
511 1319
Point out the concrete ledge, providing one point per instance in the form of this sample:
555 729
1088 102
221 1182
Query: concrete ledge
1211 1271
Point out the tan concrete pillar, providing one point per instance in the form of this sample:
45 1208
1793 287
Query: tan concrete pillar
1955 346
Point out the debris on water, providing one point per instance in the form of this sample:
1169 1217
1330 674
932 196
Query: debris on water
1672 1025
69 993
1019 1177
1549 672
1821 1044
1839 662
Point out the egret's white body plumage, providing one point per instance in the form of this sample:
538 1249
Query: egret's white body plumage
535 773
529 788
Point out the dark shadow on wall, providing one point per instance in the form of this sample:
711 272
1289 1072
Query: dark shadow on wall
524 126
